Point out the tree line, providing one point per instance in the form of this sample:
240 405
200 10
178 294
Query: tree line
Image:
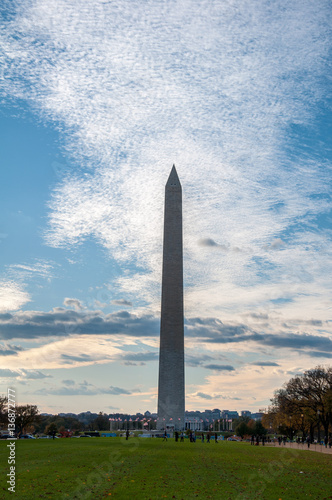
29 420
245 426
303 405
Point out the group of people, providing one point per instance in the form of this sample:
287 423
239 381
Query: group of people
177 436
192 437
255 440
327 441
282 439
306 440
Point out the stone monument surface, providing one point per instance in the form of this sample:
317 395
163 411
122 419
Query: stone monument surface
171 390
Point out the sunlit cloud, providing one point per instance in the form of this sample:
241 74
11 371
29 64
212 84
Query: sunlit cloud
12 296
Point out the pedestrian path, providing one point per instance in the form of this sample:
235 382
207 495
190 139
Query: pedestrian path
299 446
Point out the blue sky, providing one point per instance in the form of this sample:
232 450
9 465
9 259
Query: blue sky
98 100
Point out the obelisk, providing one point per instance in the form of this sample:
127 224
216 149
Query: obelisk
171 396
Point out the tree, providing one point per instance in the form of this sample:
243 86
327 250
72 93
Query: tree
68 422
101 423
242 430
240 420
305 402
3 410
51 428
259 429
310 392
25 416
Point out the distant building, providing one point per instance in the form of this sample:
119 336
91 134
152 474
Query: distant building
257 416
246 413
216 413
194 423
229 414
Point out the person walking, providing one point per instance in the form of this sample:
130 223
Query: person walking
165 436
127 434
202 437
208 438
308 441
182 437
252 441
216 438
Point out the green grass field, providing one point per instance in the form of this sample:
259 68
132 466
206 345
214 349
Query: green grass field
99 468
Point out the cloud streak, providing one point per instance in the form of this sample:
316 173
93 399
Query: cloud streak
84 389
22 375
62 322
220 368
8 349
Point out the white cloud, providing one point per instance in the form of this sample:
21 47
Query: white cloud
12 296
38 268
13 284
75 303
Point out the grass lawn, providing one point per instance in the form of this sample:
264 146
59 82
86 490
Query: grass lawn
96 468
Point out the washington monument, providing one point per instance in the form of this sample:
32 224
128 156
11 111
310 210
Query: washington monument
171 354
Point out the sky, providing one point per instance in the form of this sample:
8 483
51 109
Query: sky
98 99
